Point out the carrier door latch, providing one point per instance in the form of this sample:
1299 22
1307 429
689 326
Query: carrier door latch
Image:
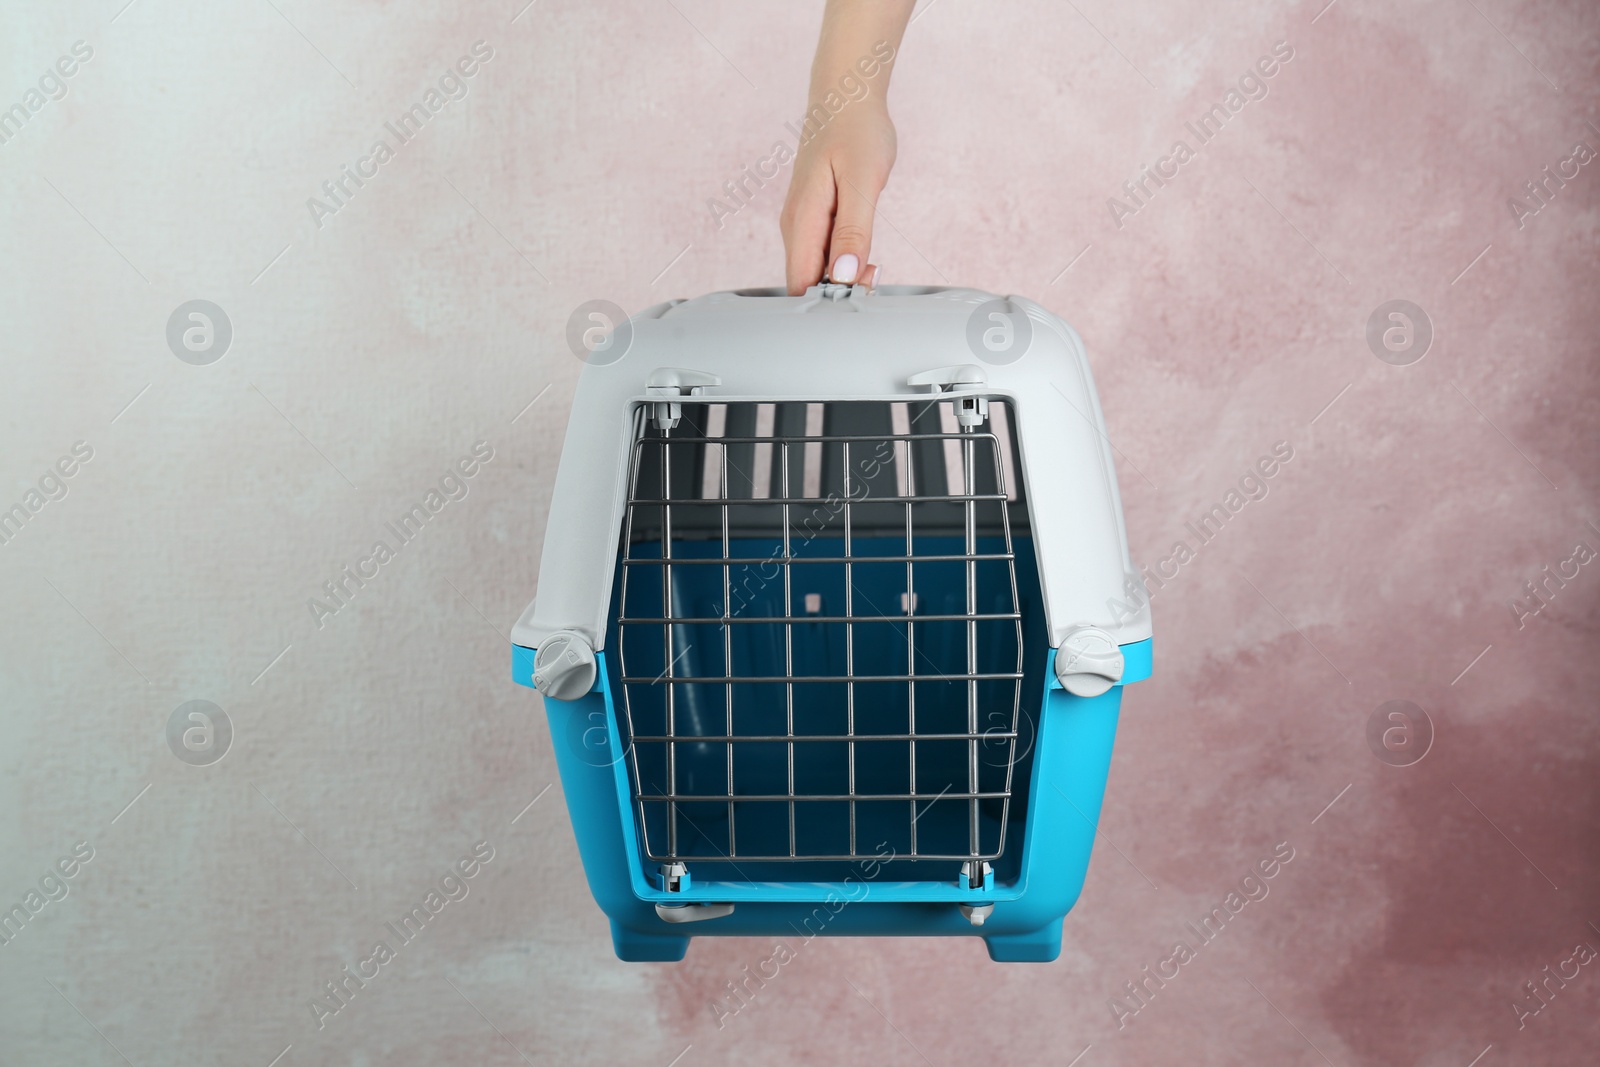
564 667
1089 662
675 382
965 379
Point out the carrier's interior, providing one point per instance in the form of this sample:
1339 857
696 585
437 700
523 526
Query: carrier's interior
829 641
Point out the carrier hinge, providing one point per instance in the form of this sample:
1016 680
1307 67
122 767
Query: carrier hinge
675 382
976 874
963 380
675 879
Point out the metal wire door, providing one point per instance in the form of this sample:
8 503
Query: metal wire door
819 631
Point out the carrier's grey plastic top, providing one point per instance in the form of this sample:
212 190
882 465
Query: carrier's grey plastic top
838 343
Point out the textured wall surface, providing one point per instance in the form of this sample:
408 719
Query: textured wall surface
374 343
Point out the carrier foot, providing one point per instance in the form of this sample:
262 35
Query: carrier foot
1035 946
634 947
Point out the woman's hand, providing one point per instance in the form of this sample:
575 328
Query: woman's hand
833 192
844 164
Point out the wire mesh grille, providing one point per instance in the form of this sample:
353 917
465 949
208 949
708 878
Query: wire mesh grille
820 634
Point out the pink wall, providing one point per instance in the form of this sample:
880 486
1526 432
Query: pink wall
1226 314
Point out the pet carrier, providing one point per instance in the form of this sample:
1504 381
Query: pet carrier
833 617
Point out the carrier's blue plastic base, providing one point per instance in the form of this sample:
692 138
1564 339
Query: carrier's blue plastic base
1071 758
632 946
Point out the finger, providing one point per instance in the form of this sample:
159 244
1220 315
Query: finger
805 224
851 239
870 276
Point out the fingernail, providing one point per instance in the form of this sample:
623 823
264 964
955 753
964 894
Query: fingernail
845 267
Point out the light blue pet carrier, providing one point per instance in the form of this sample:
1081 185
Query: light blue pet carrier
833 619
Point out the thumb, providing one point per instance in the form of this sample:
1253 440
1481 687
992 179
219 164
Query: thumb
851 241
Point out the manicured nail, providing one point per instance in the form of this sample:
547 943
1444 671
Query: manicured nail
845 267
